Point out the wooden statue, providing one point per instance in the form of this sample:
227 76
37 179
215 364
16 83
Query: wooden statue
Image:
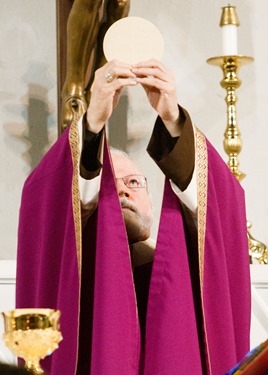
87 24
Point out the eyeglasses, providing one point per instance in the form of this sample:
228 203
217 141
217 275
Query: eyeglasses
134 181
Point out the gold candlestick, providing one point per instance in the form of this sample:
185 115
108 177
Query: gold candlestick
232 137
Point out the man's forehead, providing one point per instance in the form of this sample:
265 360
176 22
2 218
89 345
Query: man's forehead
123 166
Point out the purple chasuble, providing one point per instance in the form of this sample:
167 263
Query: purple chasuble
49 274
226 278
173 345
47 265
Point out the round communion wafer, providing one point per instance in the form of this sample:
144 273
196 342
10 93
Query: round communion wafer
133 40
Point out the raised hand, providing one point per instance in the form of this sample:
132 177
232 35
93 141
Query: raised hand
160 87
108 83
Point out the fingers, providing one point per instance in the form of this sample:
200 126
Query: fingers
152 66
105 92
115 74
150 63
154 74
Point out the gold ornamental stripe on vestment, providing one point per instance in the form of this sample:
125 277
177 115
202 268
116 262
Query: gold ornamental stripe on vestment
75 151
201 163
74 145
202 187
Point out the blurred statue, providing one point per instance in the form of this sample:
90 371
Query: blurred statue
257 249
87 24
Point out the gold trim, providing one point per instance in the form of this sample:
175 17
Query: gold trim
202 168
75 151
202 189
74 145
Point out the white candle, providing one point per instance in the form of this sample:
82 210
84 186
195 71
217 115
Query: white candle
229 40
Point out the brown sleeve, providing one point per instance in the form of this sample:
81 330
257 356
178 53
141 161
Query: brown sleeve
174 156
90 165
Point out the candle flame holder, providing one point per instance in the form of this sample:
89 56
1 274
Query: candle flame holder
232 137
229 16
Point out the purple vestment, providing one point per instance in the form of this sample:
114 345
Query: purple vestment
178 341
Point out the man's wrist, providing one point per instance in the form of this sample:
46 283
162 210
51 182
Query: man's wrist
94 128
93 125
174 127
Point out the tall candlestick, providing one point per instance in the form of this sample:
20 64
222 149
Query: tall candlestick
229 23
230 63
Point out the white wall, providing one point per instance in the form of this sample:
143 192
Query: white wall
27 102
192 34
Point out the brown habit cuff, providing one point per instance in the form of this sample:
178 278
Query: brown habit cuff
174 156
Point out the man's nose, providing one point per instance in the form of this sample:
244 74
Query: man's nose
122 189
